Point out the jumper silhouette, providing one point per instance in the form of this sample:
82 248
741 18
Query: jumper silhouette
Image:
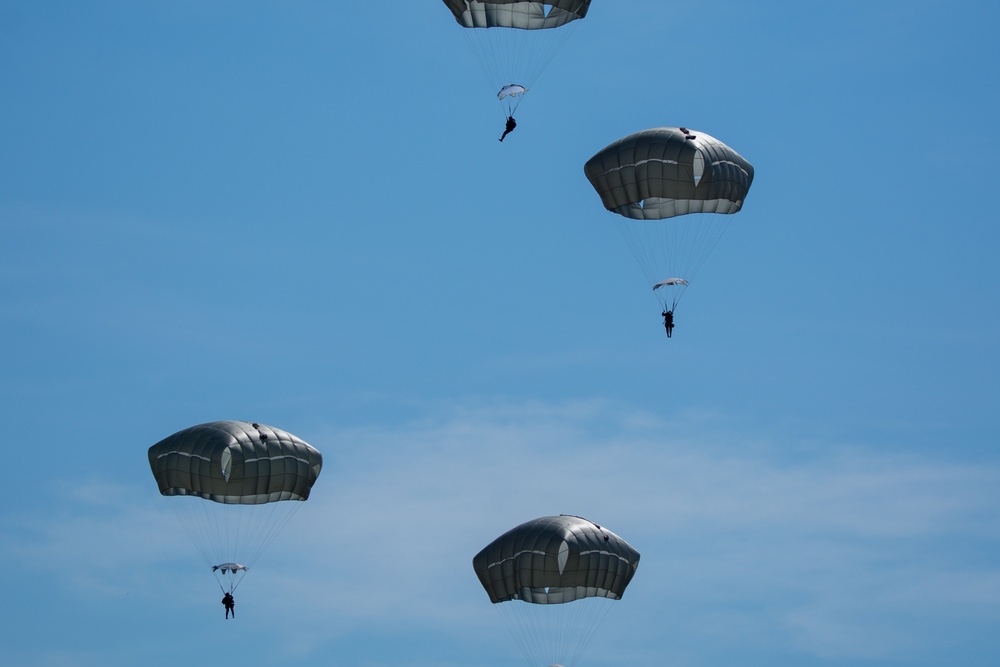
511 124
668 322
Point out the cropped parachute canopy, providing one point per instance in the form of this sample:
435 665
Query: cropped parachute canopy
556 559
235 462
517 13
669 171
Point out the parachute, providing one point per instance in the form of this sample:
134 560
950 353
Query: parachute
653 178
230 481
511 90
514 40
554 578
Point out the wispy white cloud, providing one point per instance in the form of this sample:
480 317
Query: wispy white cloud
836 552
805 550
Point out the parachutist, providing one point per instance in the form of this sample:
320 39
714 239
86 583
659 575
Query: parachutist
511 124
248 492
230 604
668 322
654 205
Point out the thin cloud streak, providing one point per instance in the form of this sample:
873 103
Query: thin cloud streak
835 539
828 557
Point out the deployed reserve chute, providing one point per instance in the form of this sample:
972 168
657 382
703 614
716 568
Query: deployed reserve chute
514 40
554 578
656 180
232 484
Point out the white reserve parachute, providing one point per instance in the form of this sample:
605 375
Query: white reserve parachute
671 188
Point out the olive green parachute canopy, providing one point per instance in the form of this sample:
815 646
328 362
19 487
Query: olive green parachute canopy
669 171
556 559
235 462
517 13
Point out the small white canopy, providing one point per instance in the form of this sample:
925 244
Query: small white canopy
512 90
229 568
670 281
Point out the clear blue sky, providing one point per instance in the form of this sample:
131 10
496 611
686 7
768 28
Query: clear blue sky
298 213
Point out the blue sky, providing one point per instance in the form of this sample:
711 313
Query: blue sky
298 213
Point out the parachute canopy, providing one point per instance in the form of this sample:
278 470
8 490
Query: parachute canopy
670 282
653 177
517 13
227 568
235 462
511 90
556 559
669 171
